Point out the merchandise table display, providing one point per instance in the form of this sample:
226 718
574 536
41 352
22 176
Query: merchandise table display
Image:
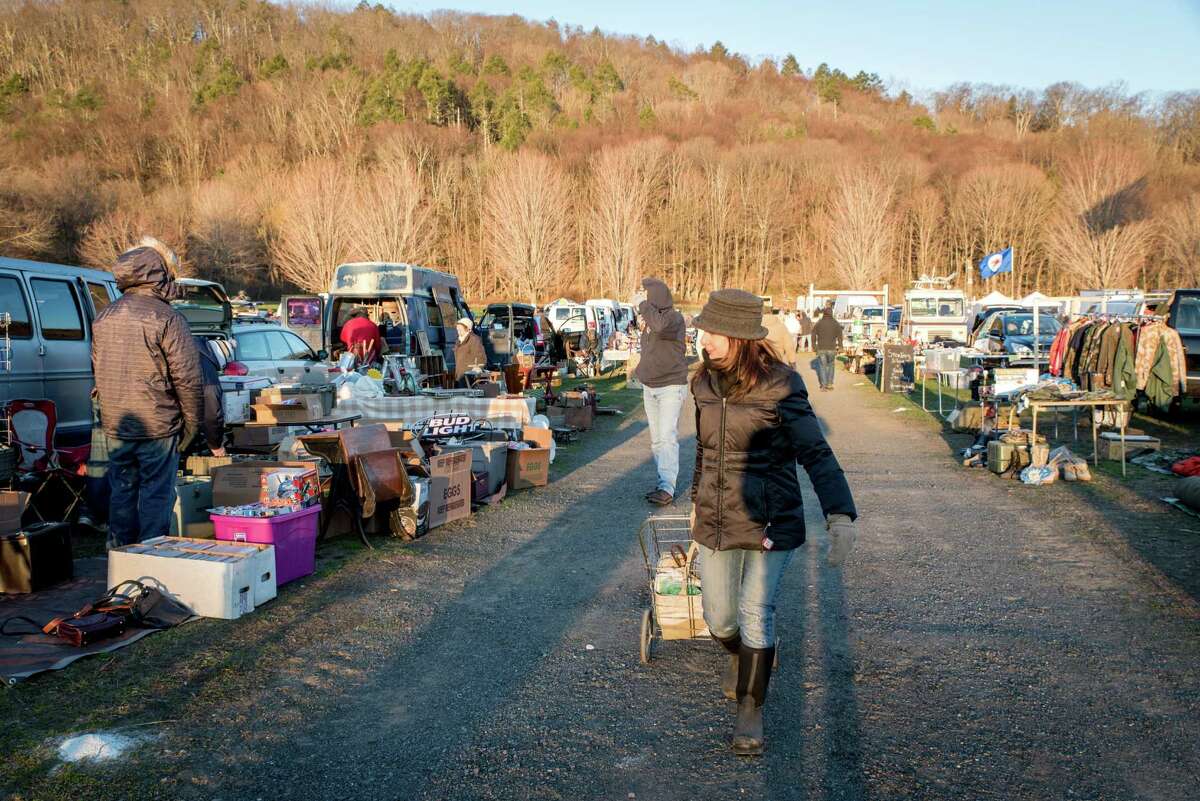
503 412
1114 404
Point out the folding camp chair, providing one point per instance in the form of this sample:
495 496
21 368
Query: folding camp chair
31 425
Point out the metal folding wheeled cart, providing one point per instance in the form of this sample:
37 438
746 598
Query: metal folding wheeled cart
676 611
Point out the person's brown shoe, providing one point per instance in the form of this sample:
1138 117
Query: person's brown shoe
660 498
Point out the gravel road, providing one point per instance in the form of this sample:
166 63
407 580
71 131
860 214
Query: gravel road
987 640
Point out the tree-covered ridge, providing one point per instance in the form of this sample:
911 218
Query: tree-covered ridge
268 142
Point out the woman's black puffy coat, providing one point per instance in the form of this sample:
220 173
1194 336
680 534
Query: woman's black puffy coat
745 486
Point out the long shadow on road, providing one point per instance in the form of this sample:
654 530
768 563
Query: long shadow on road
466 659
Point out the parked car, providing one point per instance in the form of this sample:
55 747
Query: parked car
50 309
986 313
268 350
1183 314
502 325
568 317
1011 332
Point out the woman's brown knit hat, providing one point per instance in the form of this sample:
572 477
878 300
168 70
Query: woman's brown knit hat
734 313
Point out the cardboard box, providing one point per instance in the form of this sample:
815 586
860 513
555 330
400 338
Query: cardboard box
12 506
204 465
528 468
449 486
258 436
967 418
295 409
1108 446
193 499
582 417
542 437
323 393
290 486
490 458
241 482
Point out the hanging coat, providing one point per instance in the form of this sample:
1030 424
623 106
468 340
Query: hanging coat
1124 376
1160 384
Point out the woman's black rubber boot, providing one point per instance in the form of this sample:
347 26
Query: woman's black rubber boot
754 674
729 681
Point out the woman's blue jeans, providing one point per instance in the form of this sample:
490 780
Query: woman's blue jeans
739 590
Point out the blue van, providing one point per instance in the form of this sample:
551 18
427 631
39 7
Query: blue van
46 314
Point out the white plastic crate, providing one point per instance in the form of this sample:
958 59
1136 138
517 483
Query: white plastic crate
213 578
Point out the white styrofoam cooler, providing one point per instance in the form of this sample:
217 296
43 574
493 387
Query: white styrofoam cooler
236 392
213 578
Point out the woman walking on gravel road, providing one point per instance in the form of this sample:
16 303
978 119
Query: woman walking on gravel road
753 424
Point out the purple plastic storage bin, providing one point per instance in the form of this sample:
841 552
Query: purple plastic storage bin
294 536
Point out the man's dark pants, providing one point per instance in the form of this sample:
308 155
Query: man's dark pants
826 365
141 475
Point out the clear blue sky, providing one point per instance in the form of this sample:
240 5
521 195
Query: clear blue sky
1150 45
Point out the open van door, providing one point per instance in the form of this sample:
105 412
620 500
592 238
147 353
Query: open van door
304 315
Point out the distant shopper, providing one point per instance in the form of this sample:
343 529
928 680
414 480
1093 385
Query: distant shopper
792 323
827 340
212 427
780 339
468 353
361 337
150 389
663 373
753 425
806 328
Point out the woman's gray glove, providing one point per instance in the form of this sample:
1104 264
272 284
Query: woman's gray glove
842 533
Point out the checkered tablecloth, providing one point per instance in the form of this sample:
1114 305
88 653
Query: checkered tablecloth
501 412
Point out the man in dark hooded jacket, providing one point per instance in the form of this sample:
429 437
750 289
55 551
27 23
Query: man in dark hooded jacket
212 433
150 388
663 373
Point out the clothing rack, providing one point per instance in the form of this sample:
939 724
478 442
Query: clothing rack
1123 318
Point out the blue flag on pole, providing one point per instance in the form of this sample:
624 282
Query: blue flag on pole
996 263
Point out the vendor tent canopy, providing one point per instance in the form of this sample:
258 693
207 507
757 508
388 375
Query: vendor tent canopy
995 299
1039 299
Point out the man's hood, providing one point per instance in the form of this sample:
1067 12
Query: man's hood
143 269
658 294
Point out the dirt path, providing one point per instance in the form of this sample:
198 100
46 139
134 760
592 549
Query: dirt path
987 641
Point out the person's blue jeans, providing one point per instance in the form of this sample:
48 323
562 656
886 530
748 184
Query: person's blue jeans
662 413
141 476
826 366
739 590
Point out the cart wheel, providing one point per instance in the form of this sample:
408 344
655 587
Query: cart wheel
647 635
775 664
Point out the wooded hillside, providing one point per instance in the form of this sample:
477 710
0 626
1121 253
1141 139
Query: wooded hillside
269 143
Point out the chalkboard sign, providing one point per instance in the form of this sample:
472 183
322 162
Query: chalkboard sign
896 372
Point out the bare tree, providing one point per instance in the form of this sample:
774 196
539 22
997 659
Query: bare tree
624 179
25 229
526 223
1097 236
224 242
862 227
309 231
389 216
926 213
1179 236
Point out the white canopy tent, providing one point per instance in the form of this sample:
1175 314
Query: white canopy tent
995 298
